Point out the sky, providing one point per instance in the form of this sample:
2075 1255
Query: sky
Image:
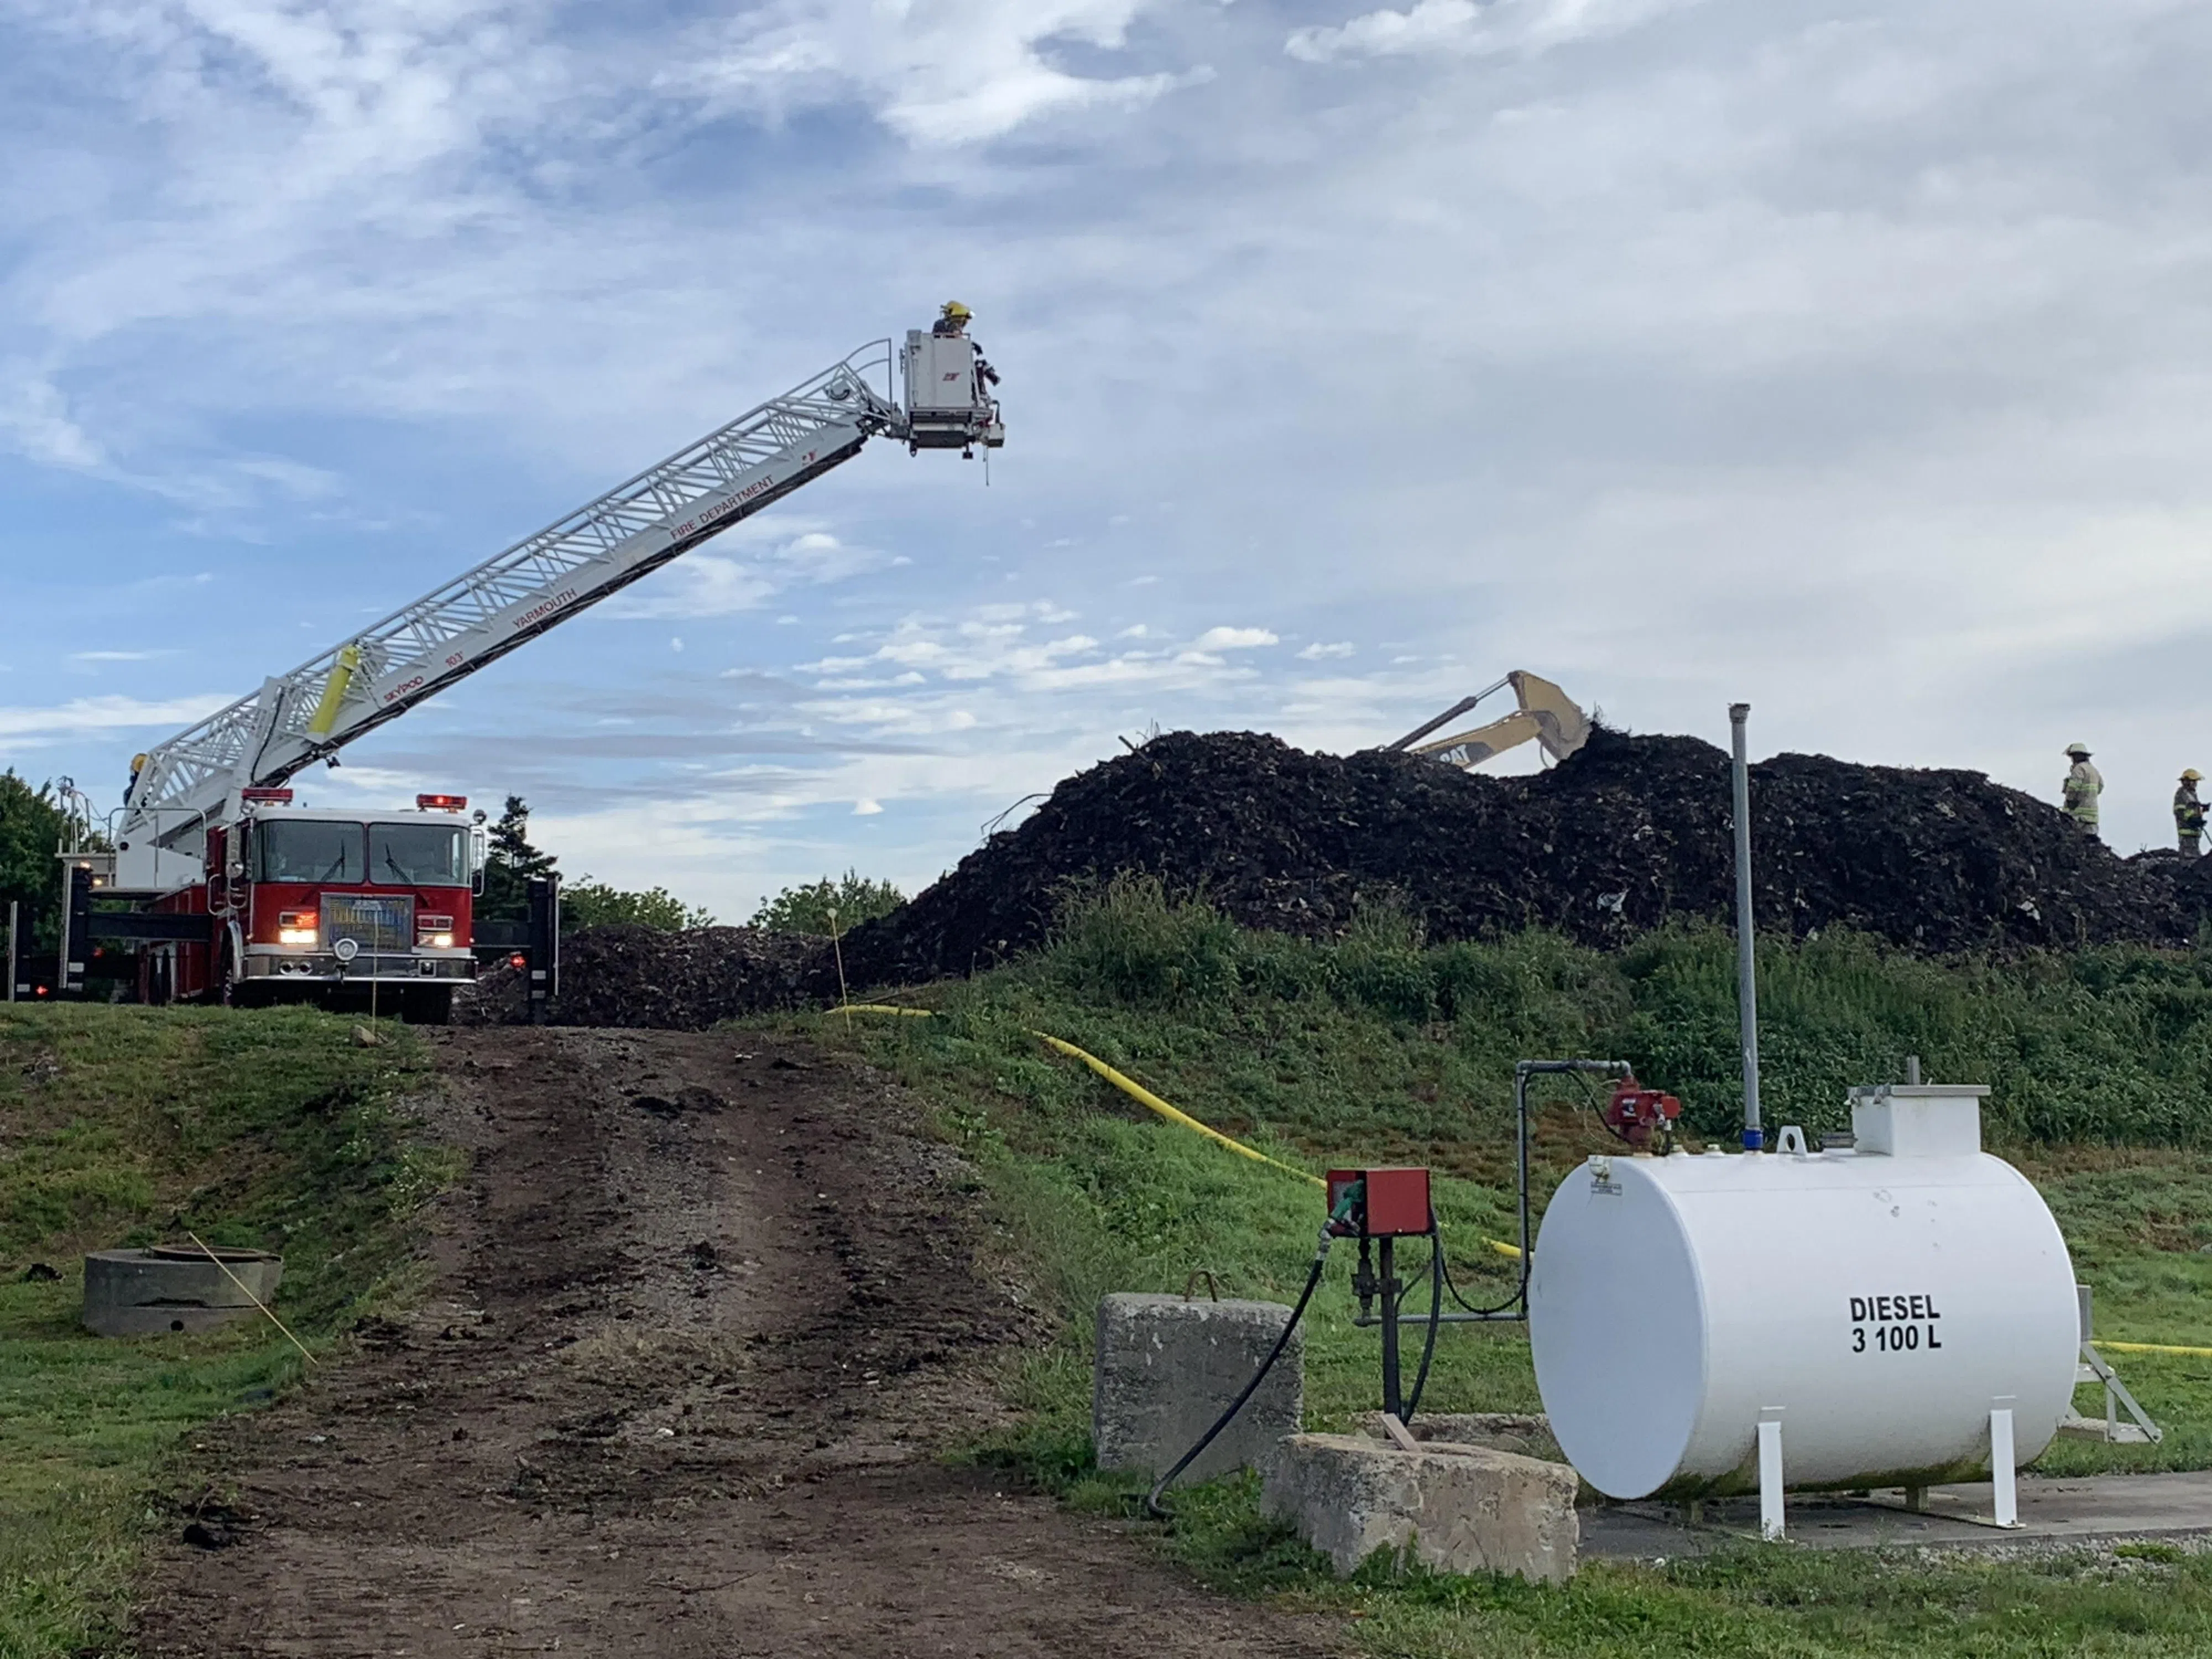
1854 360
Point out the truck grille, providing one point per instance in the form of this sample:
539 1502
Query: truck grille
375 922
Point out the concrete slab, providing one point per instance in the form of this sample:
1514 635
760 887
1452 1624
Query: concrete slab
1456 1508
2054 1512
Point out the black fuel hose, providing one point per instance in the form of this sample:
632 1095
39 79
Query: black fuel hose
1153 1507
1436 1315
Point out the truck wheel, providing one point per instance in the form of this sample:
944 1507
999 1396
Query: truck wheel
427 1004
224 992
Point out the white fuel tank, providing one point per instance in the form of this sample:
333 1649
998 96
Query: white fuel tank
1880 1303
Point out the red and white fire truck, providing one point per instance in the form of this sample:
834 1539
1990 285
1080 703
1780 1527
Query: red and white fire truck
234 892
298 902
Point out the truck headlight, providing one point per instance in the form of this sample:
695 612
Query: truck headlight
296 936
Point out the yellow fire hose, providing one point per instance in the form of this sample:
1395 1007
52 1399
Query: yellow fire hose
1147 1098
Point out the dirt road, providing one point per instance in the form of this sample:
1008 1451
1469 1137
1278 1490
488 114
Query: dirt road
699 1317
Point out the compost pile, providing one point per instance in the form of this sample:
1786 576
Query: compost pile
625 974
1631 833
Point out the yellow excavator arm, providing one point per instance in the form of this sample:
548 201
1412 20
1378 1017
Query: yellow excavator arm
1546 714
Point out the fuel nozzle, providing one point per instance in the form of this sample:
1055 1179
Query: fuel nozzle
1344 1218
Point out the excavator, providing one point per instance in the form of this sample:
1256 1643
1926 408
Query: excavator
1546 713
234 893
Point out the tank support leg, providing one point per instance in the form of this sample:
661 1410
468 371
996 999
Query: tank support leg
1770 1479
2006 1504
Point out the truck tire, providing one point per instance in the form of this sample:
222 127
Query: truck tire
427 1004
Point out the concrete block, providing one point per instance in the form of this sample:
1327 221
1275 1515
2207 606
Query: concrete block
1166 1367
1456 1508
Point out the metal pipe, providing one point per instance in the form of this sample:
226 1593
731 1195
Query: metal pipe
1523 1071
62 949
1452 712
1422 1319
1747 975
1393 1395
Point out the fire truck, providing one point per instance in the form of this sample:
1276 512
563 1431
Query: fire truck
233 891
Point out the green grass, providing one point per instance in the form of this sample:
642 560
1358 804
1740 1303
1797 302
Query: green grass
124 1126
1378 1048
1749 1600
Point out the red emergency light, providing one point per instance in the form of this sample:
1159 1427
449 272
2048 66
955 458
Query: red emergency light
262 793
1394 1203
518 960
441 802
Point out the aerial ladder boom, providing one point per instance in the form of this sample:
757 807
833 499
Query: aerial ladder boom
194 779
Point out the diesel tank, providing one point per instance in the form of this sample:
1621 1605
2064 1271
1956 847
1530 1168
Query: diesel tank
1878 1303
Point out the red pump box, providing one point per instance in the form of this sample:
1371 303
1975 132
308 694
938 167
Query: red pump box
1397 1204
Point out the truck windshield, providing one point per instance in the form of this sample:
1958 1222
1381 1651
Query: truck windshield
418 854
308 851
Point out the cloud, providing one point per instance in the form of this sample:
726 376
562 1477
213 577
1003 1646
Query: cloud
697 585
117 656
1522 26
1317 652
34 420
80 715
782 555
955 72
1233 638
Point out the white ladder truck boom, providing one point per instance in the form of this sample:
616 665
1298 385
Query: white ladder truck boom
197 778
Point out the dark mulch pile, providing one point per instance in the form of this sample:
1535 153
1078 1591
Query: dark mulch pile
625 974
1631 833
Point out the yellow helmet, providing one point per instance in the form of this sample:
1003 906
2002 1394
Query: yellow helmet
2191 775
954 308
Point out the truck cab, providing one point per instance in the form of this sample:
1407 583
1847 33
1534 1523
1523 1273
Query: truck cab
340 908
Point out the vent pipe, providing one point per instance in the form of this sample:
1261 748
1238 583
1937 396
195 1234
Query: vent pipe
1747 977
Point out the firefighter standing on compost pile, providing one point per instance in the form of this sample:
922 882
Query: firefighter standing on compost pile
2189 814
2084 783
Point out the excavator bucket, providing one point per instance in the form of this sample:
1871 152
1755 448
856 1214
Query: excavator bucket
1561 726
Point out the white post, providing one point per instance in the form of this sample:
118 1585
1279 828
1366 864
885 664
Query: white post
1769 1478
14 909
2002 1474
